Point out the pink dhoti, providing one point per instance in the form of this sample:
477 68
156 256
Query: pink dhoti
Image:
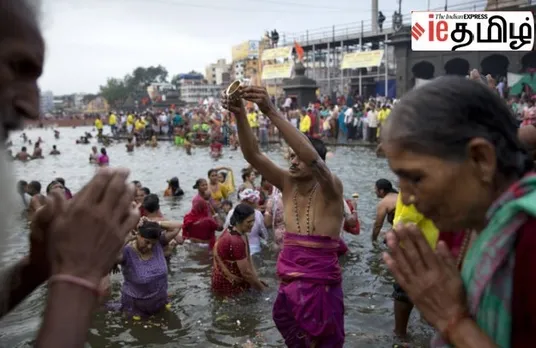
309 308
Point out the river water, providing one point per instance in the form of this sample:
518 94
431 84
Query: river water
197 319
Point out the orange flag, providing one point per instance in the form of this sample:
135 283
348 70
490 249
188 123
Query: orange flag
299 51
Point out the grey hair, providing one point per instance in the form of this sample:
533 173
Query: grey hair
441 117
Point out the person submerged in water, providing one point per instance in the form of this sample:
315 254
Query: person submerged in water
145 271
386 207
174 188
54 151
129 145
309 309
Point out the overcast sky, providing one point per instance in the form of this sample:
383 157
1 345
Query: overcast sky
88 41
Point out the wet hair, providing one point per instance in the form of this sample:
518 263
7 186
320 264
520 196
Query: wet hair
150 230
440 118
51 185
227 202
198 183
61 181
319 146
36 185
24 149
211 171
54 147
146 190
240 213
151 203
103 151
385 186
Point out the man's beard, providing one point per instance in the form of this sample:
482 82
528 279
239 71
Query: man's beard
9 202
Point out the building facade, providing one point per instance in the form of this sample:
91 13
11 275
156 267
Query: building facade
46 102
218 73
194 89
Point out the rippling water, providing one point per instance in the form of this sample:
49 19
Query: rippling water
198 319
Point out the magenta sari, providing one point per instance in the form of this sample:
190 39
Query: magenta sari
309 308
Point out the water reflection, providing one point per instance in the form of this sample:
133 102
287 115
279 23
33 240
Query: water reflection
197 319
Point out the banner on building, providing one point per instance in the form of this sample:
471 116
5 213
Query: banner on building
277 71
362 59
277 53
248 49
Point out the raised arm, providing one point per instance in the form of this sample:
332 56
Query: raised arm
250 148
330 185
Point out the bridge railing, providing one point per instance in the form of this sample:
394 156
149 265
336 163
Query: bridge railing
351 30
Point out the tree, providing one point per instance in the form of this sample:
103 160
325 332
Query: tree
134 85
115 91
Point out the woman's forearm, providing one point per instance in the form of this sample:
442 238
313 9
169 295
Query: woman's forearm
468 335
19 281
67 316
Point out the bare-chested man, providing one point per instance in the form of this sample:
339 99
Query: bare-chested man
309 309
37 201
55 151
38 151
386 207
23 155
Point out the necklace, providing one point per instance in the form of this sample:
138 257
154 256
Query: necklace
307 212
463 248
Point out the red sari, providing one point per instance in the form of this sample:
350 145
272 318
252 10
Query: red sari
226 277
198 225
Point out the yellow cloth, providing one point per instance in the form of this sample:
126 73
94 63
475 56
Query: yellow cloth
252 119
382 117
221 193
229 182
130 120
139 125
409 214
98 124
112 120
305 124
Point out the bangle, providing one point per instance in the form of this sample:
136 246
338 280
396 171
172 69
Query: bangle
452 324
76 281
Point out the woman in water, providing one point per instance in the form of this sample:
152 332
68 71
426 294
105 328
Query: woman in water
258 231
204 195
248 179
103 160
174 188
453 144
233 271
199 226
218 190
226 177
386 207
143 264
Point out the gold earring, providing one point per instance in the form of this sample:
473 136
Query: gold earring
411 199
